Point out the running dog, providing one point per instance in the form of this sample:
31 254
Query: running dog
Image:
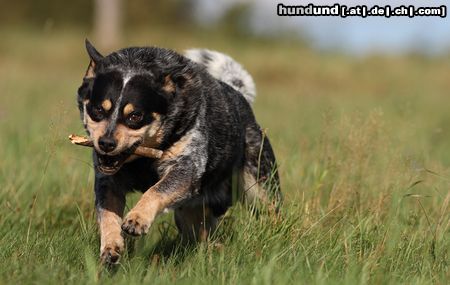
196 109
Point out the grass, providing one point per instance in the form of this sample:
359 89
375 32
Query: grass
364 161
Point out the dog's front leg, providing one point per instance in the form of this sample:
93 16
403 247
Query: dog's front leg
110 205
173 188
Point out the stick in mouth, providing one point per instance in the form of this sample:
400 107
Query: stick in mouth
140 150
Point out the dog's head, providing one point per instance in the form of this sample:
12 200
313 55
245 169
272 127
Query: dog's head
122 101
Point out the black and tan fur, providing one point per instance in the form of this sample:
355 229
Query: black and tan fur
205 127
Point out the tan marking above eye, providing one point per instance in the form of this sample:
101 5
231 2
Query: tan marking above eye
106 105
128 109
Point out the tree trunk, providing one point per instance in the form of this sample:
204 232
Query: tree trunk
108 23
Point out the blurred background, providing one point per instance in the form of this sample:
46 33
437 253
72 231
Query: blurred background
113 20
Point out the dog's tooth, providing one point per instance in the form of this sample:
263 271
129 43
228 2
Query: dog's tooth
116 163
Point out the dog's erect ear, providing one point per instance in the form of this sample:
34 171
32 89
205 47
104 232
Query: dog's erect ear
95 57
93 53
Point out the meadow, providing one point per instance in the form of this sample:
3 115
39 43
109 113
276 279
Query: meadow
363 151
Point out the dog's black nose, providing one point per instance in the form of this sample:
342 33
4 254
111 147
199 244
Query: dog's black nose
107 144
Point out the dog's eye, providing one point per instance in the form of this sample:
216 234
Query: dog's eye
135 117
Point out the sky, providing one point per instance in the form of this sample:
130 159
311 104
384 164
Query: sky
429 35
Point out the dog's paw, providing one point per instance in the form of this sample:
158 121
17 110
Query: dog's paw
111 252
136 224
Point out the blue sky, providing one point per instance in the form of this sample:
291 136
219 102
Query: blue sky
430 35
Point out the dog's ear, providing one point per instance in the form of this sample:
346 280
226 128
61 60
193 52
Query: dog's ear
95 57
84 90
93 53
172 83
168 85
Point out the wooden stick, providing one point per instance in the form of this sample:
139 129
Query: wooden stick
140 150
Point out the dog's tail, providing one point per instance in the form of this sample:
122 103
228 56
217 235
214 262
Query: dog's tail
226 69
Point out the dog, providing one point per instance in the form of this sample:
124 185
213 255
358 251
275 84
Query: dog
196 109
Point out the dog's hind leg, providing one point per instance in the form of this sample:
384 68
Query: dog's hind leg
195 223
261 183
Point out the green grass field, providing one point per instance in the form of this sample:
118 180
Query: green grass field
363 148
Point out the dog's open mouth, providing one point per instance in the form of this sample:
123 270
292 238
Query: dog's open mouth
109 165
